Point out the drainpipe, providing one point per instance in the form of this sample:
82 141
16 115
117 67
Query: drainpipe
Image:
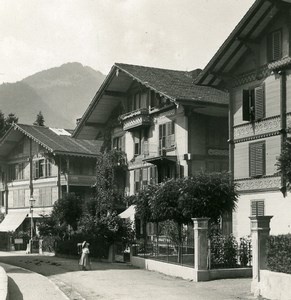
30 170
283 118
231 138
59 177
68 174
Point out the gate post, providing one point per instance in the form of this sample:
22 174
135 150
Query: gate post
260 227
200 248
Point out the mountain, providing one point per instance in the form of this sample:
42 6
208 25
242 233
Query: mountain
62 94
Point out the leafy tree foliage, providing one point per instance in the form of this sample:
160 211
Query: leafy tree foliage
39 119
68 210
203 195
2 124
6 122
207 195
10 119
284 164
107 193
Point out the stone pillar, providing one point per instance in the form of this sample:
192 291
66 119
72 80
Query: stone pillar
260 227
40 246
200 243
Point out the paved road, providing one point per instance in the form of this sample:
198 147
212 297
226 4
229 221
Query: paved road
123 282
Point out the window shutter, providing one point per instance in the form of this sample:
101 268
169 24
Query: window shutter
246 106
122 142
260 159
277 45
257 208
274 45
35 169
260 102
257 159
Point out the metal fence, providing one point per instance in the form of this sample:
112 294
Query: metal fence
163 249
224 252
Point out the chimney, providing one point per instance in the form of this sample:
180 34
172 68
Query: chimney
195 73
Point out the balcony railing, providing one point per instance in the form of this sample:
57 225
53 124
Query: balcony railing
136 118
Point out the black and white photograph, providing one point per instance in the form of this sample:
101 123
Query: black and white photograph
145 149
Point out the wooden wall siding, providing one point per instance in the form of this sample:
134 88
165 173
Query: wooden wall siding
89 133
272 96
241 160
197 134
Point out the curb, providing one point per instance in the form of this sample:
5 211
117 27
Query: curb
3 284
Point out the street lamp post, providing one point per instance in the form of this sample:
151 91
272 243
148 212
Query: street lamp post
31 201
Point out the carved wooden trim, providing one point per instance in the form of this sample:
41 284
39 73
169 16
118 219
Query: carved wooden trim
265 128
266 183
251 76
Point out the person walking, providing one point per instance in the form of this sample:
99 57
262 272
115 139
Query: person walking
84 260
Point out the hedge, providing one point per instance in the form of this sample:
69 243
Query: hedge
99 248
279 253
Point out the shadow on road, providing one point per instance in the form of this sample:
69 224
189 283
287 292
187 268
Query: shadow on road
13 290
52 265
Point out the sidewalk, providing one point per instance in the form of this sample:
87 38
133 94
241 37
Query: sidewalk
24 284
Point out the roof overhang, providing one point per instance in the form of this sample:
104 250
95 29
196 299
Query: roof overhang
235 47
108 97
161 159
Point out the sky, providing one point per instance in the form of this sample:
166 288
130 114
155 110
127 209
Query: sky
174 34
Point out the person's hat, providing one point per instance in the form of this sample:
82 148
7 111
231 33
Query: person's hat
83 244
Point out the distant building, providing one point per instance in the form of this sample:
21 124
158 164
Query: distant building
42 163
254 65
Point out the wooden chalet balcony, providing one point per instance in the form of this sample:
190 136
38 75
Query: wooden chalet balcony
136 118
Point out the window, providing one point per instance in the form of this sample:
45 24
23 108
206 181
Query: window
257 208
136 180
254 104
140 100
167 136
137 143
274 45
257 158
118 143
144 177
16 171
42 168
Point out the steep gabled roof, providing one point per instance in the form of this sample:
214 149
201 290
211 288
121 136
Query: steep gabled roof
174 85
55 141
251 26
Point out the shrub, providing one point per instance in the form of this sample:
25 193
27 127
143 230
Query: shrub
223 251
279 253
245 251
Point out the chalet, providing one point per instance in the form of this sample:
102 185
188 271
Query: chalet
254 65
168 126
42 163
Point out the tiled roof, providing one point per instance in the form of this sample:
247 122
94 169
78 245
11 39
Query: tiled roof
177 85
60 144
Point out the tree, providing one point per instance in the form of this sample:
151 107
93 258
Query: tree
284 165
6 122
207 195
68 210
2 124
39 119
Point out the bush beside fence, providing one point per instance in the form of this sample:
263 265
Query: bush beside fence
279 253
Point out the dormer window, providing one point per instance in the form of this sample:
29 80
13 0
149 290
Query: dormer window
274 45
253 106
